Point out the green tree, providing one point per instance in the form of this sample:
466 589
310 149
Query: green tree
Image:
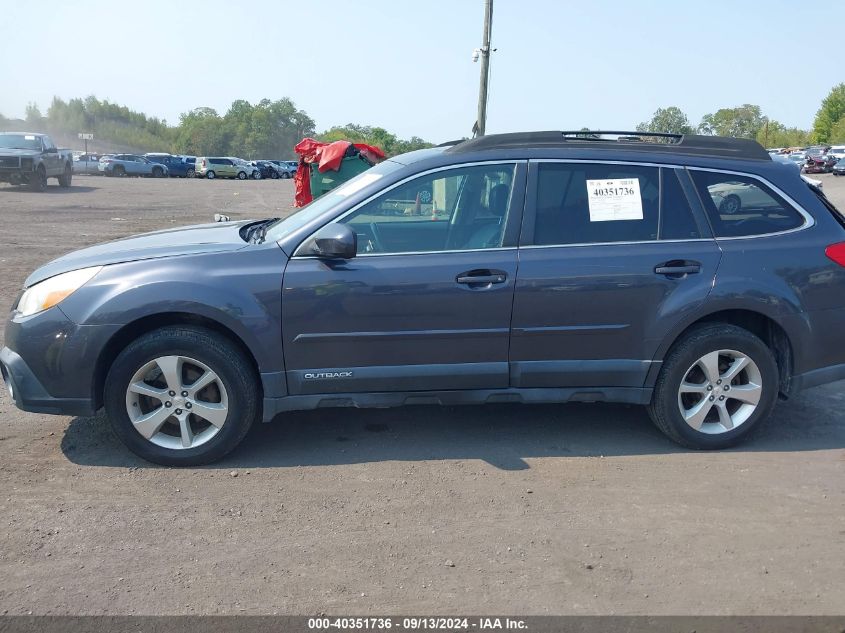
743 121
831 111
378 136
778 135
33 114
671 120
837 132
200 133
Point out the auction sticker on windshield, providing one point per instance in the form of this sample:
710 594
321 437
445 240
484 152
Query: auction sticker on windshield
617 199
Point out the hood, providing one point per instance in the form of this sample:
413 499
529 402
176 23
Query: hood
187 240
19 152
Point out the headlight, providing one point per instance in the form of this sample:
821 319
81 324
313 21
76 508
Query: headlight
54 290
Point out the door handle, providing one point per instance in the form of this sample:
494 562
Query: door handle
678 268
482 277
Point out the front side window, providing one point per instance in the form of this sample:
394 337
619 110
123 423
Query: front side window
465 208
583 203
739 205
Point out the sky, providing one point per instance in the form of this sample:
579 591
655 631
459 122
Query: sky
406 65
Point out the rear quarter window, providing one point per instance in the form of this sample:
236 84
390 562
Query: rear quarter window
739 206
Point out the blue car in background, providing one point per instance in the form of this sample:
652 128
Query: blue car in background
177 166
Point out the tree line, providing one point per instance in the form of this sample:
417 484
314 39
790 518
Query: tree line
267 129
748 121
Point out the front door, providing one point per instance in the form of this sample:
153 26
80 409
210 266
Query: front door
426 304
612 257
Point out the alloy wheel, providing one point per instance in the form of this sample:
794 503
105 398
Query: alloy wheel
177 402
720 391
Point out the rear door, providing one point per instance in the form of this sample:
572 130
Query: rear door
611 255
426 304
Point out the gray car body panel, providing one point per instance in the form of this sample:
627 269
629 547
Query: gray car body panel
586 322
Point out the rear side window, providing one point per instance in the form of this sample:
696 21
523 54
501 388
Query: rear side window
581 203
739 206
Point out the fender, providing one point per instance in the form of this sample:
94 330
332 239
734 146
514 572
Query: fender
241 290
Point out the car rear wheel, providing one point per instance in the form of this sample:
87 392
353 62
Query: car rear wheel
66 178
210 175
241 175
158 172
119 171
182 396
715 385
274 175
190 173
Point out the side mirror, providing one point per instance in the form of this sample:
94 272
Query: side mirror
334 241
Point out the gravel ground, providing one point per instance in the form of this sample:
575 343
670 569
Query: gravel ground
571 509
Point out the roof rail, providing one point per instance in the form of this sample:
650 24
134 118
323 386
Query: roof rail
689 144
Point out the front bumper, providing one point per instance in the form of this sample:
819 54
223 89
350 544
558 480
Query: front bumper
28 394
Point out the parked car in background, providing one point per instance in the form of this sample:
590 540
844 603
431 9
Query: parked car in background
839 168
176 165
251 170
131 165
267 169
819 163
87 164
284 168
797 157
212 167
191 161
785 159
838 151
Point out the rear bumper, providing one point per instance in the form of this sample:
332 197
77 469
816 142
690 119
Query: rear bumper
28 394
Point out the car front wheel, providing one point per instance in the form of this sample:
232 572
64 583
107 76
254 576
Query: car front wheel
715 386
182 396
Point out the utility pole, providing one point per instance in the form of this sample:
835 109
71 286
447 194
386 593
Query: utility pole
484 51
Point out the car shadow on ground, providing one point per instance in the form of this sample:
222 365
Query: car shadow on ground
502 435
51 189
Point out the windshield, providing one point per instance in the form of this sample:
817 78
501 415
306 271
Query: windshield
325 202
20 141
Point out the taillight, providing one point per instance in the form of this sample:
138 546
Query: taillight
836 252
203 164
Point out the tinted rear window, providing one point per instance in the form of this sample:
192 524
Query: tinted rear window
577 203
739 206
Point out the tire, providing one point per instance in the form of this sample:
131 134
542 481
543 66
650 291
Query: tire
158 172
210 175
234 383
274 175
288 174
758 379
38 182
119 171
730 205
241 175
66 178
190 173
256 175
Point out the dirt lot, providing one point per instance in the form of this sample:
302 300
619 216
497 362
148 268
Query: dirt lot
570 509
